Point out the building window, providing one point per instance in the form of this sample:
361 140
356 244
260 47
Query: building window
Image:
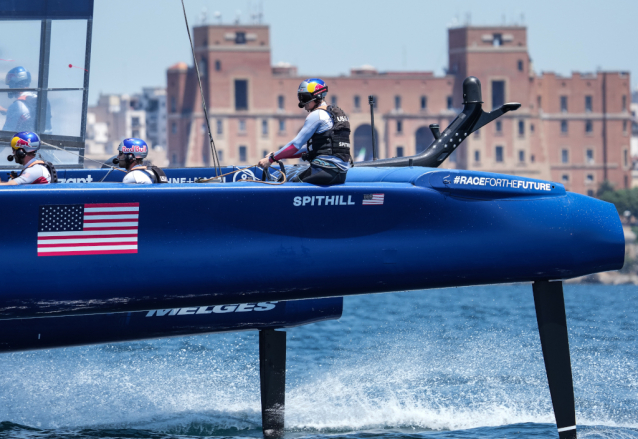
424 102
241 94
521 156
264 152
624 127
532 158
497 40
220 127
450 103
531 128
520 65
499 126
625 158
626 181
565 178
399 151
135 121
477 134
357 102
218 65
203 66
499 154
136 134
563 127
564 156
589 156
397 102
264 127
399 126
563 104
539 102
280 102
173 104
588 104
589 127
333 101
624 103
220 155
477 156
282 125
173 127
240 37
498 93
590 192
521 128
590 178
242 154
242 126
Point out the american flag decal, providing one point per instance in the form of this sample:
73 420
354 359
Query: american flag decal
88 229
373 199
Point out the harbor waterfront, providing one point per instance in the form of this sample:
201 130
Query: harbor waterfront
447 363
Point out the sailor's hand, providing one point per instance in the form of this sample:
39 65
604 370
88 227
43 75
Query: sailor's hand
264 163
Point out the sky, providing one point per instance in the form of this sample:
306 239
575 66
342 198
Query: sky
135 41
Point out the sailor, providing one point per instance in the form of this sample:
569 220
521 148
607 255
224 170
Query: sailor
132 153
324 139
25 146
21 114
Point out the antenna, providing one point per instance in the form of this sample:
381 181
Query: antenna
218 17
374 143
203 16
237 16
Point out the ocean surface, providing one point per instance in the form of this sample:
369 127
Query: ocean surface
452 363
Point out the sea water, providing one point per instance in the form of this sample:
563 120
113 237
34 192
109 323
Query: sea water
450 363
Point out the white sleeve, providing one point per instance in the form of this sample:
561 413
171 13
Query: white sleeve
37 174
137 177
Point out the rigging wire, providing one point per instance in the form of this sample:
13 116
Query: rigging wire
82 156
201 90
207 180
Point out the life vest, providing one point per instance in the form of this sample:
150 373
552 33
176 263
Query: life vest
48 165
335 141
156 174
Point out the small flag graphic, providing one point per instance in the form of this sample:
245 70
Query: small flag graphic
88 229
373 199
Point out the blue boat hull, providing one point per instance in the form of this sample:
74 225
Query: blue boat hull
215 244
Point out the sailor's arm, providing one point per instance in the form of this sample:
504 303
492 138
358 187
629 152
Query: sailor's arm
11 182
294 148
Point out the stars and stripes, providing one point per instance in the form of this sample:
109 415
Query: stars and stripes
373 199
88 229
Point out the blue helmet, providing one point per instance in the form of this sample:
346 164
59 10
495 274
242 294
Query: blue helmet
26 140
313 89
18 77
137 147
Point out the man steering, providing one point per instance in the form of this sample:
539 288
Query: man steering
324 139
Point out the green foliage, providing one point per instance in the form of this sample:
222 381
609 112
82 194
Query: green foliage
623 199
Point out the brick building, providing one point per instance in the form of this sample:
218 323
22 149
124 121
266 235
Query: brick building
575 130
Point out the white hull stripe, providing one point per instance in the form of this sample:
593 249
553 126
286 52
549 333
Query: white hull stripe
573 427
91 232
87 249
111 209
87 240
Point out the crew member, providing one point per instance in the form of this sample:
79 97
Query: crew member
25 146
21 114
324 139
132 153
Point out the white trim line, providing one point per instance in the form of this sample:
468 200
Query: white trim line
573 427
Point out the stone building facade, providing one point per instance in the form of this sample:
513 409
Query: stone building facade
575 130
